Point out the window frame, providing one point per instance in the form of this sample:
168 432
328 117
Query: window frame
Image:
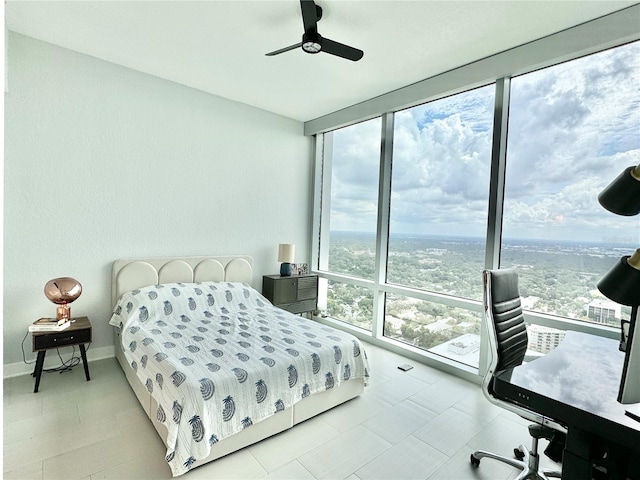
434 89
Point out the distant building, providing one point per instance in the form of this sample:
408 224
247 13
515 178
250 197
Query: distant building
604 311
464 344
464 349
543 339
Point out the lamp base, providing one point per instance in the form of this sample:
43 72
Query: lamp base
285 269
63 312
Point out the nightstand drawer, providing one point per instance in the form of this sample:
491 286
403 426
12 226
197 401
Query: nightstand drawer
307 288
61 339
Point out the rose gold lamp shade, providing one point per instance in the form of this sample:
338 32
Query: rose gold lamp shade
62 291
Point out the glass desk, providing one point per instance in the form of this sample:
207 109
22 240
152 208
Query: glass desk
577 385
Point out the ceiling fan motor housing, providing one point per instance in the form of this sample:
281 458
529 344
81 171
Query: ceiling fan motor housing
311 42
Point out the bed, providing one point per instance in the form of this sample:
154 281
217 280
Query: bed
215 366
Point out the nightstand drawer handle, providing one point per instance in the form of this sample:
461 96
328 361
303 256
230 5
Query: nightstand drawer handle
66 338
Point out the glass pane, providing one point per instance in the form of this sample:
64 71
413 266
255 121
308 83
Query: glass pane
573 128
447 331
351 304
355 168
439 194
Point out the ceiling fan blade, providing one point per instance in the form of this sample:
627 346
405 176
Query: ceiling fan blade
309 15
341 50
282 50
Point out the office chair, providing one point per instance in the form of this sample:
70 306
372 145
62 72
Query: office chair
507 346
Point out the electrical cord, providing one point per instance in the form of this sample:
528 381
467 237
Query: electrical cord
24 359
65 365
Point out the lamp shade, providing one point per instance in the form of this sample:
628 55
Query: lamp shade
62 290
286 252
622 196
622 282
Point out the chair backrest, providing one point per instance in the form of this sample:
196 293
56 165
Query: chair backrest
507 337
505 321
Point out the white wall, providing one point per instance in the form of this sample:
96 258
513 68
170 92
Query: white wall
103 162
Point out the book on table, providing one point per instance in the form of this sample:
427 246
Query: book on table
49 325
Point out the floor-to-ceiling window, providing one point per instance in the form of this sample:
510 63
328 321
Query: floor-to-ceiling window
354 159
573 128
438 220
403 253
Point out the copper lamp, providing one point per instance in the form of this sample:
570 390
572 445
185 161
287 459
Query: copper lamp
62 291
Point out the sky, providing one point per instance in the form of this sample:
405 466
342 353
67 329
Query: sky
573 128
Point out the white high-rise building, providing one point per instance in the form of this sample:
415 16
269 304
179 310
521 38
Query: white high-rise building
601 311
543 339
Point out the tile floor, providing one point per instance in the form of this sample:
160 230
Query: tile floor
420 424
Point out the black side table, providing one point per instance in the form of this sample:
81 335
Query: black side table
78 333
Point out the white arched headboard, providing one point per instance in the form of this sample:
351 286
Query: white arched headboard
129 274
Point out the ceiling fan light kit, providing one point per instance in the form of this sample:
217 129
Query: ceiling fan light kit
313 42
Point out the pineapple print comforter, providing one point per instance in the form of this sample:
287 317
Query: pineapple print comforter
218 357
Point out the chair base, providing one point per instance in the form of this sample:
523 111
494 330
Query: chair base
530 464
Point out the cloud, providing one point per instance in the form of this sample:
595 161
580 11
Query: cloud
569 121
441 151
572 129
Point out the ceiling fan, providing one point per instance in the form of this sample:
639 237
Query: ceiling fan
313 42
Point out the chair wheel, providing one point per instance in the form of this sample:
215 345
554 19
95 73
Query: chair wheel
474 461
519 454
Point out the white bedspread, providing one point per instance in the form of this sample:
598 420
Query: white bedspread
218 357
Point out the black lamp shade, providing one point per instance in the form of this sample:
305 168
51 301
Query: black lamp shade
622 196
622 283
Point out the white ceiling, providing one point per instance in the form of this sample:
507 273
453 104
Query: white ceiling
219 46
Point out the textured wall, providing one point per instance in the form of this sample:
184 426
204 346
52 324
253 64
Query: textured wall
103 162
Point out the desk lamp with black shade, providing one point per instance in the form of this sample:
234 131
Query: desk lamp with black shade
622 285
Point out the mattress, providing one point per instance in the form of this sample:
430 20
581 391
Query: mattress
217 358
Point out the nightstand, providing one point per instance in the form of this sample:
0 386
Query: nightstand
296 293
78 333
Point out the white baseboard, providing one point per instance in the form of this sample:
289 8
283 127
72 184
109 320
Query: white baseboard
52 360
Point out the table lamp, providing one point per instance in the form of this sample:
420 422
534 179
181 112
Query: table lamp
62 291
286 252
622 196
622 283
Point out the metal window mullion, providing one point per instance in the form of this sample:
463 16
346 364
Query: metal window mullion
321 211
496 180
322 200
316 202
496 197
382 235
